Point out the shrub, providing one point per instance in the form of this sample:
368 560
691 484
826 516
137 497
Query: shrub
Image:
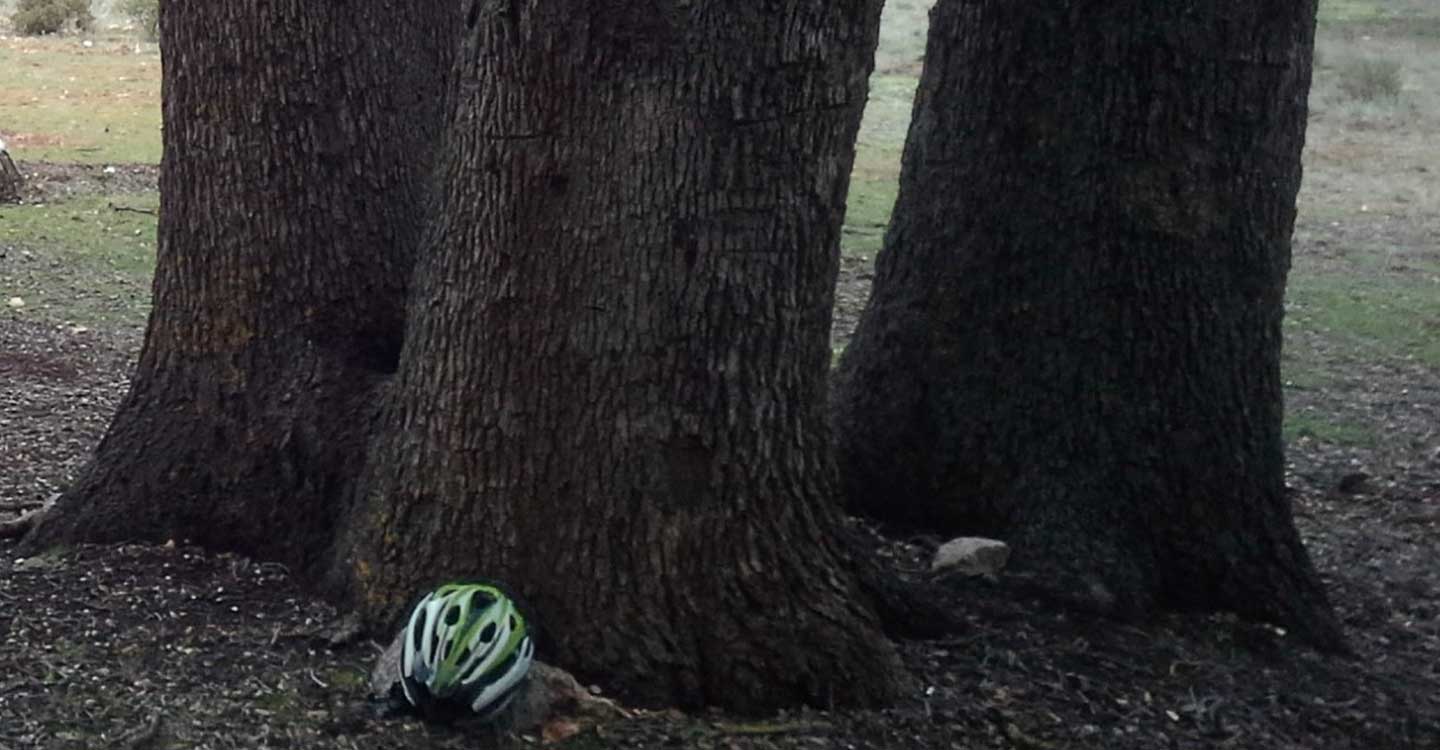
1371 79
145 14
34 17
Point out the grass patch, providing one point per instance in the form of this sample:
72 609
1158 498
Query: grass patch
62 101
1312 426
1352 11
903 27
876 177
1370 11
347 679
867 214
80 262
1374 317
1407 18
1374 296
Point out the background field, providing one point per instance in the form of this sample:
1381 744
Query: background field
1363 330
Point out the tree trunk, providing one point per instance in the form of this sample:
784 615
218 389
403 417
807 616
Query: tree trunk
612 394
1073 341
295 147
11 181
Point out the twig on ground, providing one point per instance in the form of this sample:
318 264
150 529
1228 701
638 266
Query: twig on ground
144 736
146 211
17 684
18 527
14 528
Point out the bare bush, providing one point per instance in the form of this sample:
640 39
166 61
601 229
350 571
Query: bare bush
35 17
1370 79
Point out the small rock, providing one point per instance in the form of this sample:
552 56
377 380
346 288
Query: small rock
16 302
385 673
971 555
37 564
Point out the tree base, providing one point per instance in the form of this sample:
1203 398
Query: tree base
11 181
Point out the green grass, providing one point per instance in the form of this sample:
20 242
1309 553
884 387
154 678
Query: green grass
1329 430
876 176
1372 317
1405 18
80 262
62 101
345 678
1347 11
1364 11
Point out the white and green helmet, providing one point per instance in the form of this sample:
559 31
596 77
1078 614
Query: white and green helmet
467 648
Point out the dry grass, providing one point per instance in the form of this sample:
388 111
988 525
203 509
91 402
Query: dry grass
63 101
1371 79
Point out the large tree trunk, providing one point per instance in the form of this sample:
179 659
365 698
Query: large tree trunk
1074 336
612 392
295 147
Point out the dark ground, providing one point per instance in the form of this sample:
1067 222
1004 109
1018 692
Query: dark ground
170 647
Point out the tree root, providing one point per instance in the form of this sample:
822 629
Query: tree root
21 525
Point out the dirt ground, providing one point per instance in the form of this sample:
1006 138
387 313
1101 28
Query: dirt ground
172 647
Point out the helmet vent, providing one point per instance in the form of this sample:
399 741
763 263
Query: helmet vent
487 633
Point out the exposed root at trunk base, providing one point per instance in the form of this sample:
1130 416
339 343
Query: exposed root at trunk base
20 526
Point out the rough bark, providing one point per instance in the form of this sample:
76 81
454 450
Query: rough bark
1074 337
612 393
11 181
295 147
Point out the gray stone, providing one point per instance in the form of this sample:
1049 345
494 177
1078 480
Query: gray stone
971 555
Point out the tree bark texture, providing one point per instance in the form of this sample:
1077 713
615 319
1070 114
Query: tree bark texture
1074 337
11 181
612 394
297 137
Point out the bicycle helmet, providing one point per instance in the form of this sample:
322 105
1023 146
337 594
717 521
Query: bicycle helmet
467 650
